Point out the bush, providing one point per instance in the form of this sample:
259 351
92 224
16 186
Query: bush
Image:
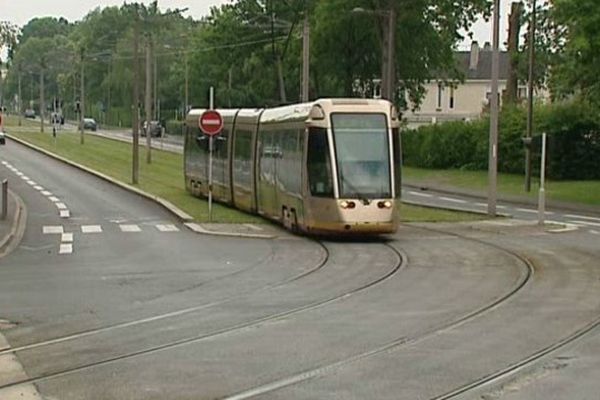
174 127
573 150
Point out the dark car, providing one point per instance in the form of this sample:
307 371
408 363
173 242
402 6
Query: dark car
155 129
29 113
90 123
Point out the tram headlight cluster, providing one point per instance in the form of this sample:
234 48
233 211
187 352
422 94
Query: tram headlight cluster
347 204
384 204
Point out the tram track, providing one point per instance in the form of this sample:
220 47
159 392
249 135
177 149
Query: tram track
399 264
404 341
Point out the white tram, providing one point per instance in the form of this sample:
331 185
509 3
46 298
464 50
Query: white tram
332 166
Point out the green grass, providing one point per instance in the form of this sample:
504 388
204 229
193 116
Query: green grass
584 192
164 177
11 121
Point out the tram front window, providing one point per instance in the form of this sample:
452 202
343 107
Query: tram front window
363 157
319 165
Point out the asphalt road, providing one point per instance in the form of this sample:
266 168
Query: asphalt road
142 308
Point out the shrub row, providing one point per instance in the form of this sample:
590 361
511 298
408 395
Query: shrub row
573 142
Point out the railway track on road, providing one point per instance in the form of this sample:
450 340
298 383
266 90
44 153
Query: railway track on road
400 261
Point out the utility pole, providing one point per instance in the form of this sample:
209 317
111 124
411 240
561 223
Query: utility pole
155 87
148 102
20 102
82 99
135 106
391 53
187 91
305 57
42 105
493 148
529 133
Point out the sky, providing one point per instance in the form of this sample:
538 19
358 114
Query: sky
21 11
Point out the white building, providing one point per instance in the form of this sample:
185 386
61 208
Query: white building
466 100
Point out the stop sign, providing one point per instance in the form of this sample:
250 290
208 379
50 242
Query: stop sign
210 122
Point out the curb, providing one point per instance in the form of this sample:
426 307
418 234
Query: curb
180 214
455 208
12 238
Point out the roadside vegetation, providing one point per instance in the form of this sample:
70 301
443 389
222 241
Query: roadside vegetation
164 177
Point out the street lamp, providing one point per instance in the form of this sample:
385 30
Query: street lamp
388 54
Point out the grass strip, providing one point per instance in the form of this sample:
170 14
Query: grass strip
164 176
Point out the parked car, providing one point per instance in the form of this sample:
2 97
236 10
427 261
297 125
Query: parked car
90 123
29 113
155 129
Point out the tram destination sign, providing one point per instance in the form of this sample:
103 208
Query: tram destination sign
210 122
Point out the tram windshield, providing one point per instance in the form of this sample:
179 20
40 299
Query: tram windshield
363 157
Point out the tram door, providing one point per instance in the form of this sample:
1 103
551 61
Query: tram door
267 190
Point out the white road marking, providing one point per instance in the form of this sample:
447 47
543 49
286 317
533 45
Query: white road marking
567 227
4 163
253 227
585 223
65 214
54 199
50 229
65 248
67 237
482 204
46 193
25 177
19 173
32 183
595 232
38 188
91 228
582 217
130 228
61 206
420 194
527 210
167 228
453 200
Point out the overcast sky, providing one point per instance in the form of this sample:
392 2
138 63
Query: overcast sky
21 11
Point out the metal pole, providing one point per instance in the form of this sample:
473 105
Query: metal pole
530 97
186 85
210 156
148 102
20 102
4 199
42 105
135 106
542 193
391 72
493 147
82 100
305 57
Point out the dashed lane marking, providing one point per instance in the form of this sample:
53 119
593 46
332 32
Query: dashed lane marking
582 217
65 248
53 199
453 200
587 223
31 183
167 228
130 228
65 214
91 228
595 232
38 188
51 229
24 177
67 237
61 206
46 193
420 194
19 173
527 210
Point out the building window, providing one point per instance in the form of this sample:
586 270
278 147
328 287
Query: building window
451 98
439 96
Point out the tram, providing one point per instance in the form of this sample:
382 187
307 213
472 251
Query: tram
332 166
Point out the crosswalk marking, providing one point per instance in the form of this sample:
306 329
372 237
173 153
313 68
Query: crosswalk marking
24 177
167 228
67 237
65 248
61 206
53 199
91 228
130 228
46 193
38 187
65 214
51 229
595 232
19 173
31 183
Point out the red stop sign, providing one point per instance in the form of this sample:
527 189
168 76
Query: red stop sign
210 122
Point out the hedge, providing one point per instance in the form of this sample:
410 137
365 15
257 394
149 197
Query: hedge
573 130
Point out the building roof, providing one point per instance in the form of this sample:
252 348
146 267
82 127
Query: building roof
484 64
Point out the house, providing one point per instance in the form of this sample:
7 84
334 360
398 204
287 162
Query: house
467 100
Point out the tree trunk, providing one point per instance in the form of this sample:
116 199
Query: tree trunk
512 85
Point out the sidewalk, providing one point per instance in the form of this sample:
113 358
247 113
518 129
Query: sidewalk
513 199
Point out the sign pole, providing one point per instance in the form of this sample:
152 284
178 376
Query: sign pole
211 106
542 194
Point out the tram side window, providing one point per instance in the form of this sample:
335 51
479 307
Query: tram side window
397 143
319 163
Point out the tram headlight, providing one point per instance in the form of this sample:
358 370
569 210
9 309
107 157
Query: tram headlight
347 204
384 204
